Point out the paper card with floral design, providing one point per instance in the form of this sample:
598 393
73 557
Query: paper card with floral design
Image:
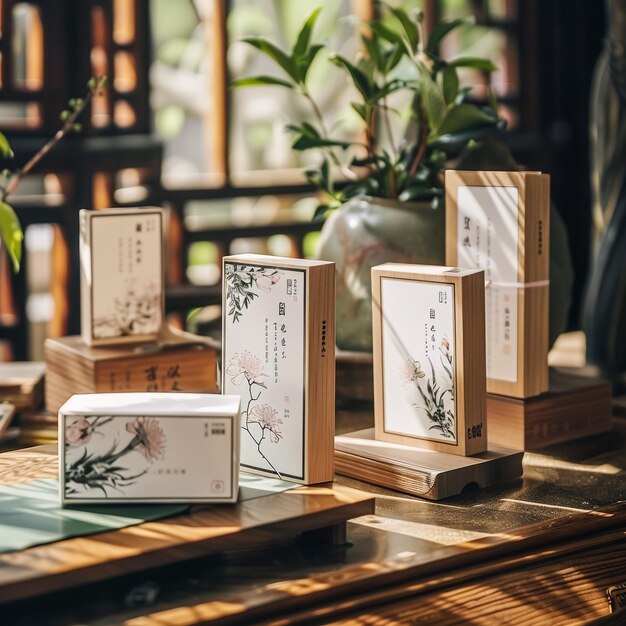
278 356
156 447
429 357
121 253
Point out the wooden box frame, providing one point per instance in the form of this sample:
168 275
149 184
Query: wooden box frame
87 218
469 363
318 335
533 265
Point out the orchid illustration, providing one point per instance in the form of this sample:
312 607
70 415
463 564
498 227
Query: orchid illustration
436 391
260 421
241 282
104 471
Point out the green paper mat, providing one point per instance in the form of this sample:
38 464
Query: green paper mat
30 513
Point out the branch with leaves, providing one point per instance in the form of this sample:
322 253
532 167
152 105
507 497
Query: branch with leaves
443 120
10 229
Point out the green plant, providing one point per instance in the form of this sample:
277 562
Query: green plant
10 229
397 58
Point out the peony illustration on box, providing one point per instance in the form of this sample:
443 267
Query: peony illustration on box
264 364
156 447
278 357
121 275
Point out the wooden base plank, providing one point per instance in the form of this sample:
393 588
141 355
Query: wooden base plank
575 407
205 530
424 473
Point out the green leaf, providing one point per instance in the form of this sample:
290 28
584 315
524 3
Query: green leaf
304 37
393 57
484 65
5 148
388 88
409 27
419 192
360 80
252 81
463 117
274 53
372 46
11 233
389 35
450 83
361 110
439 32
304 64
434 102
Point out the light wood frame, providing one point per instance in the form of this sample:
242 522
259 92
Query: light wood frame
469 362
533 270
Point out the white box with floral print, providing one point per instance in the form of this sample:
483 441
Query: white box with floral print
121 270
149 447
278 354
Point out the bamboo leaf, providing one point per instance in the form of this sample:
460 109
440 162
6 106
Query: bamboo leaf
5 148
303 65
434 102
463 117
360 80
439 32
304 37
484 65
11 233
274 53
252 81
409 27
450 84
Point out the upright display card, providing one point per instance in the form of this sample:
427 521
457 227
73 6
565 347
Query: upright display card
498 222
149 448
429 357
278 356
121 275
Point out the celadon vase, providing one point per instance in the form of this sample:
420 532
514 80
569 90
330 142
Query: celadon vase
365 232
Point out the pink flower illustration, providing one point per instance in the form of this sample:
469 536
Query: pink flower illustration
265 282
245 366
78 433
410 371
150 437
267 417
445 350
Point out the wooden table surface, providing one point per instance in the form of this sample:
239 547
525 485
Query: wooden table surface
549 545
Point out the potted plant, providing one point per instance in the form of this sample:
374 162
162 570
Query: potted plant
389 193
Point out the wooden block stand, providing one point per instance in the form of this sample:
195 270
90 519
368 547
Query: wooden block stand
573 408
420 472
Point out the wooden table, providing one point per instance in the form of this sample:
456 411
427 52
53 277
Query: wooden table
540 551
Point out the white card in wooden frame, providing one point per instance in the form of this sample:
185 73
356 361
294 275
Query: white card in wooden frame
429 357
121 270
499 222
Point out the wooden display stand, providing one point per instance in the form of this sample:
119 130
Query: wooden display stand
173 363
420 472
574 407
205 530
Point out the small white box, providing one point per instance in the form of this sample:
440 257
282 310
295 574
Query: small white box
149 447
121 271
